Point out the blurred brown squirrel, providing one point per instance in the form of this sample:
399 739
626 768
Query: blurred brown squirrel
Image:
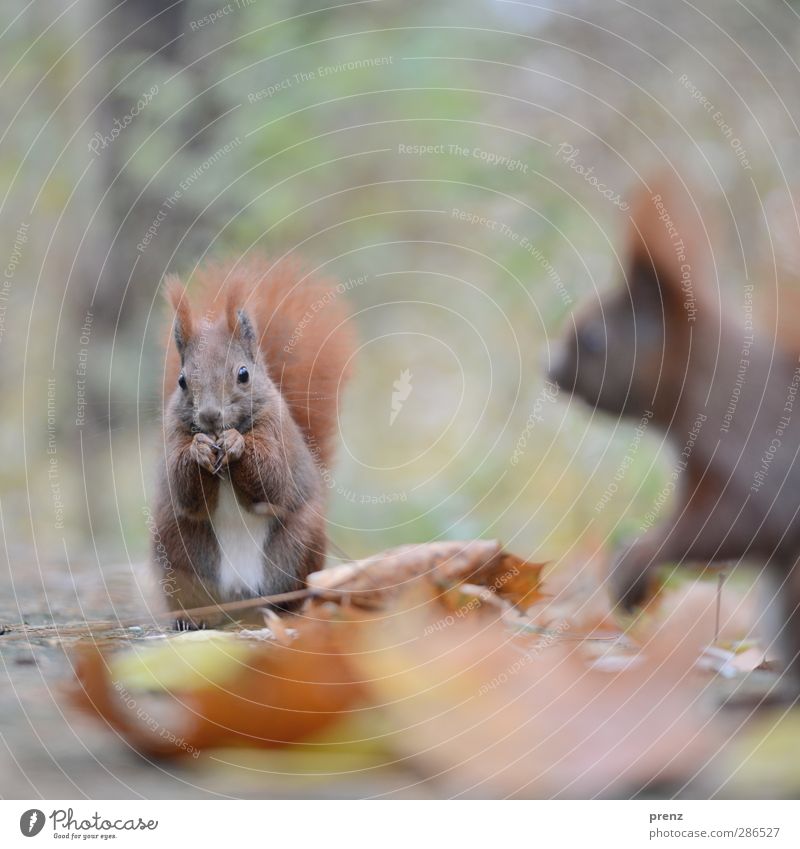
724 392
250 414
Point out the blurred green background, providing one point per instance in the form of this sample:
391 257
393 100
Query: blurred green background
414 150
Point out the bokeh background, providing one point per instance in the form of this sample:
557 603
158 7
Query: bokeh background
438 158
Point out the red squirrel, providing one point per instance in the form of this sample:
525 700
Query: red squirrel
725 394
251 388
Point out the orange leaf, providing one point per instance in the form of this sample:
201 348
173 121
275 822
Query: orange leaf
280 694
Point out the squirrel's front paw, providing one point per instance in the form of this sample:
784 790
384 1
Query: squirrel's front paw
203 451
230 447
631 579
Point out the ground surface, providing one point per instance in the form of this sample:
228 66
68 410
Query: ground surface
50 751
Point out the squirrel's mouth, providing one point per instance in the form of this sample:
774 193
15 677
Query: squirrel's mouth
242 424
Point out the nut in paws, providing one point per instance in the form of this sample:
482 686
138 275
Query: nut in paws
204 451
230 448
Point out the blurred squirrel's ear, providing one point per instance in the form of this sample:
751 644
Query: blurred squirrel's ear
240 324
175 293
667 245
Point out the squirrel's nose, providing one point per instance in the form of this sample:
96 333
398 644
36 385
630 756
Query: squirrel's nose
210 419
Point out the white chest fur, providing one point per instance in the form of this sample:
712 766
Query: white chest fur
241 537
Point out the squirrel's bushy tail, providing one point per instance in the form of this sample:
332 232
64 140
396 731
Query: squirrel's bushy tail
303 329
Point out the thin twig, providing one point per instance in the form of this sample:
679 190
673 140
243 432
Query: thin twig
23 630
720 582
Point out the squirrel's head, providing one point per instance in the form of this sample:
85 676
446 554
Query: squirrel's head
628 351
223 381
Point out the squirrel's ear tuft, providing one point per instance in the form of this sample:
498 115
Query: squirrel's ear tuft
240 325
246 333
667 247
175 293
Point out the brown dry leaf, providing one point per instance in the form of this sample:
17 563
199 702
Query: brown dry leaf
516 580
491 719
377 581
463 598
278 694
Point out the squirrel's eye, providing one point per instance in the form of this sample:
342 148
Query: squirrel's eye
182 381
243 375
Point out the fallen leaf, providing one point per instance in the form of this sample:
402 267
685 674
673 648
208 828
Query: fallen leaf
464 598
748 660
492 719
377 581
274 695
516 580
279 630
184 662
